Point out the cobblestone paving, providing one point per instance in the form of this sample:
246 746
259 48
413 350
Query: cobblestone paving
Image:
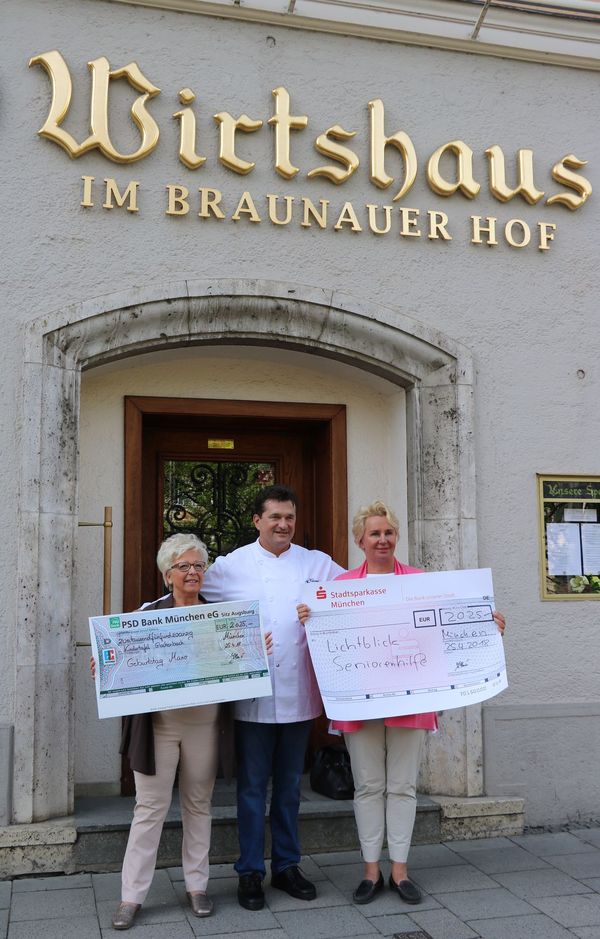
534 886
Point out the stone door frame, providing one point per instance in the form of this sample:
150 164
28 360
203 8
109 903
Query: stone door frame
435 372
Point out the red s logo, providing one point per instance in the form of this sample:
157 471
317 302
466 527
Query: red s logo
321 594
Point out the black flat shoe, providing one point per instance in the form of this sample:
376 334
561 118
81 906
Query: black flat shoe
367 890
250 891
293 882
406 890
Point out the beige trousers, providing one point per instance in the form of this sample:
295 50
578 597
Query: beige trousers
188 737
385 766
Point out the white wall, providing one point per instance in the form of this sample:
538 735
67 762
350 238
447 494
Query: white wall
529 318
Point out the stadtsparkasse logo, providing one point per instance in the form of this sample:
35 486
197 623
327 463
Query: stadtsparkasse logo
321 594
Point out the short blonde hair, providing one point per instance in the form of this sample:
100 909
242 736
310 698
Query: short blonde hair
176 545
368 511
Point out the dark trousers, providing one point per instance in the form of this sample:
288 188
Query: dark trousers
263 751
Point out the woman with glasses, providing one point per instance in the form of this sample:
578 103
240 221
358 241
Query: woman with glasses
156 744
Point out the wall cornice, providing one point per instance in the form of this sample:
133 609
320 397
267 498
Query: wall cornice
443 24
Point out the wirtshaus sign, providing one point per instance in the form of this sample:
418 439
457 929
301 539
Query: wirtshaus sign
450 170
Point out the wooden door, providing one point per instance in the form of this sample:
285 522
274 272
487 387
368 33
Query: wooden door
185 460
196 481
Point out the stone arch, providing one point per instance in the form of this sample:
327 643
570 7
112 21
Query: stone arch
435 372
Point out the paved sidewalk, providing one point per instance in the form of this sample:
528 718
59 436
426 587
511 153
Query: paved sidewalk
534 886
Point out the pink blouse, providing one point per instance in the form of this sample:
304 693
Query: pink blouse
414 721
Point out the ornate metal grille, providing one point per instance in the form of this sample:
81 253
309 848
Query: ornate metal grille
213 500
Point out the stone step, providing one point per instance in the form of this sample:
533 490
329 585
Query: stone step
94 838
102 825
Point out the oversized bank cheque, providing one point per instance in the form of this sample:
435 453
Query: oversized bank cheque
388 646
154 660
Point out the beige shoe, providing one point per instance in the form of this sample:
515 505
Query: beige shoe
200 904
125 915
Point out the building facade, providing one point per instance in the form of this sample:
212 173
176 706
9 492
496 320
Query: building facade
369 229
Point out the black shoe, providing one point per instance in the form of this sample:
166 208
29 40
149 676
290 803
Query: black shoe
250 891
406 890
292 881
367 890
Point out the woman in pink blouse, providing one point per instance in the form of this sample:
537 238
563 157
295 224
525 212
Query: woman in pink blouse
384 753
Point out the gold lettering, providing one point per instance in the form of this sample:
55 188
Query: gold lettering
310 209
87 191
283 122
489 229
178 204
373 218
437 226
272 201
209 202
547 230
227 154
508 233
246 206
379 142
112 192
62 88
465 180
526 186
561 172
347 217
101 76
343 155
187 136
409 219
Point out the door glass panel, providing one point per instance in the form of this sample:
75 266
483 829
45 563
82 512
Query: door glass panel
213 500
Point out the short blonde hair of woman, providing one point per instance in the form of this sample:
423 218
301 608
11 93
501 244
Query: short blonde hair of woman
176 545
376 508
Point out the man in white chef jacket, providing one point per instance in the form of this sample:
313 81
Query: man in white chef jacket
272 732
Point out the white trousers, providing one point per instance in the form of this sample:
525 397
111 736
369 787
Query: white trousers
385 766
188 737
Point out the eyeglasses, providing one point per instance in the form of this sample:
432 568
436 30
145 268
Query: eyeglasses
184 567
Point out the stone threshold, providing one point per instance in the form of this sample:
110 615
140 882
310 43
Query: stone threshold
479 817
